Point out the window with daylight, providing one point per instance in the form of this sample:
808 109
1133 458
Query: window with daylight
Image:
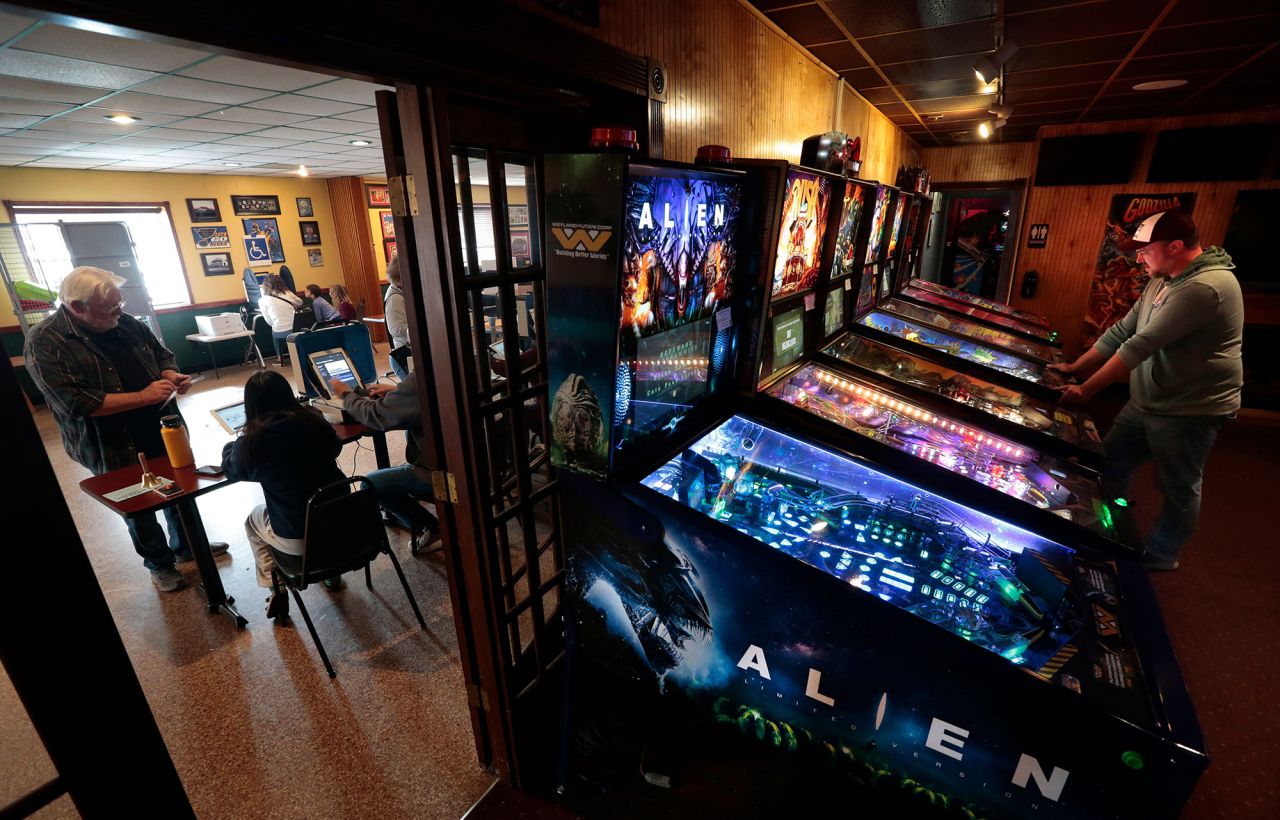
150 228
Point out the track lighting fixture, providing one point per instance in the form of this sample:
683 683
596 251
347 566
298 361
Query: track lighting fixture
988 68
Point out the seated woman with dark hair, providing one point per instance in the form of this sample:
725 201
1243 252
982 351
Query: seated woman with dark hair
290 450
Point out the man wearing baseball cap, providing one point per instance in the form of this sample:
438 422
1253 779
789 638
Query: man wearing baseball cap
1180 348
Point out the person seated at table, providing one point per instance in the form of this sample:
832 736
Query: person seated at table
278 305
291 451
399 489
325 312
342 301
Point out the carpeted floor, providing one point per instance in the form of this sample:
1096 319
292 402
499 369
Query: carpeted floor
254 725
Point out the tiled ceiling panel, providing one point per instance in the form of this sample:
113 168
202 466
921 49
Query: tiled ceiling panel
1077 60
197 112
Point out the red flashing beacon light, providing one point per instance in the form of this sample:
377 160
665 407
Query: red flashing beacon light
613 136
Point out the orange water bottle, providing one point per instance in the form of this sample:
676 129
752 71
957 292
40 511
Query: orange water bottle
176 442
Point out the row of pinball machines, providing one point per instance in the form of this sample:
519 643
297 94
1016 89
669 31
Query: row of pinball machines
819 501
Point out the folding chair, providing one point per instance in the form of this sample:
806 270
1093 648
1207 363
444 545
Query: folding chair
344 532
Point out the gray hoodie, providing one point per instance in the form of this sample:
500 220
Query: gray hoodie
1181 341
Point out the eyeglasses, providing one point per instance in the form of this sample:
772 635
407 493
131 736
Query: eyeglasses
106 310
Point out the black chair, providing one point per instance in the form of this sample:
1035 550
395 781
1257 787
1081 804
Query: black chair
344 532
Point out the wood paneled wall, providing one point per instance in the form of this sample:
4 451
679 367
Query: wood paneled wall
996 162
1077 218
735 79
354 240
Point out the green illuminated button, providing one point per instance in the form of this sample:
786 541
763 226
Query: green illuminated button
1133 760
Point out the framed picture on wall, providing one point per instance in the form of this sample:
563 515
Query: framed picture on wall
249 205
315 257
388 249
266 228
211 236
388 221
304 206
216 264
517 215
520 249
204 210
378 195
310 232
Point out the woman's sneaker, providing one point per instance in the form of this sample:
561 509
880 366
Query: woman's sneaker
426 541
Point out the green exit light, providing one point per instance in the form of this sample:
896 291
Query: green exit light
1122 502
1133 760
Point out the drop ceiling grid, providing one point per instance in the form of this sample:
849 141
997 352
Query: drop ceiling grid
57 83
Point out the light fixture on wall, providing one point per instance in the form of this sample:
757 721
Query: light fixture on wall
122 119
988 68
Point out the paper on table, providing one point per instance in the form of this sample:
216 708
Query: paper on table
126 493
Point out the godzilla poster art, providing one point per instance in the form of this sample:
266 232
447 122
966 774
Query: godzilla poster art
1118 279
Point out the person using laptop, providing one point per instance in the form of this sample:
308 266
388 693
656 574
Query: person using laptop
400 489
292 452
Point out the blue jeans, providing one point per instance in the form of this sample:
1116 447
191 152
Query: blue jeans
399 489
282 342
1180 446
149 539
396 368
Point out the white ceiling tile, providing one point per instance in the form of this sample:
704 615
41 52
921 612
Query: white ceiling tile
182 133
258 75
50 92
192 89
144 101
11 24
18 120
352 91
215 125
98 114
101 129
64 162
14 159
51 68
104 48
334 126
364 153
91 152
325 147
144 145
25 151
292 134
365 115
258 116
344 141
141 163
192 153
255 141
49 142
109 149
9 105
294 104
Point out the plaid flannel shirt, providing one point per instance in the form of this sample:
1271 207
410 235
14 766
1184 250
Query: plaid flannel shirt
75 376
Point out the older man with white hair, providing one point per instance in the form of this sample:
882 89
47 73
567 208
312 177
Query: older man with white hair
106 376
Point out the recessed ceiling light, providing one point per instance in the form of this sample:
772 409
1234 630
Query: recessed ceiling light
1159 85
122 119
361 143
232 164
302 171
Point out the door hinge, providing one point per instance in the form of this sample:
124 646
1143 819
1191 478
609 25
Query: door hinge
446 489
476 698
404 196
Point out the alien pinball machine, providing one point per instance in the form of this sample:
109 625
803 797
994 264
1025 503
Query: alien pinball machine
800 599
